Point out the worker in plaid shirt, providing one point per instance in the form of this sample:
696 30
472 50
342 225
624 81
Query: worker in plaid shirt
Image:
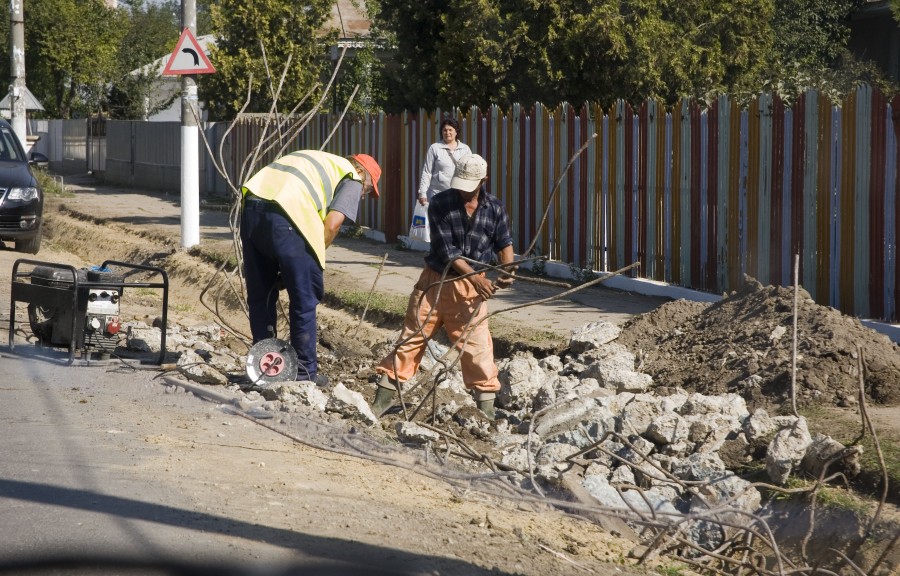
465 221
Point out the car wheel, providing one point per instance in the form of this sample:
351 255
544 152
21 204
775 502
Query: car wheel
31 245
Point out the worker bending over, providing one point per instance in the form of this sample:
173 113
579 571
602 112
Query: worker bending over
292 211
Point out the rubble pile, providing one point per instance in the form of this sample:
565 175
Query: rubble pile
202 355
591 416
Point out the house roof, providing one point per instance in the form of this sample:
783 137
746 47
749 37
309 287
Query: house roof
31 103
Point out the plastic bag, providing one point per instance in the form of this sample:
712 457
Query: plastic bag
419 228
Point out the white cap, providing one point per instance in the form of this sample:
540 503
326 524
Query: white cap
470 171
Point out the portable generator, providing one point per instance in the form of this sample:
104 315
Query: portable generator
93 324
78 308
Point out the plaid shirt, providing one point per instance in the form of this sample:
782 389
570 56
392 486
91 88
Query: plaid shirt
454 234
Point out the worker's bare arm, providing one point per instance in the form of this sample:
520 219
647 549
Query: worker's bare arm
333 222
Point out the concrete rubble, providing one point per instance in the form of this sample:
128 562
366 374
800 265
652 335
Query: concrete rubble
351 405
412 433
634 444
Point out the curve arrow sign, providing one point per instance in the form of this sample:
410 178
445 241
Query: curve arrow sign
188 57
193 53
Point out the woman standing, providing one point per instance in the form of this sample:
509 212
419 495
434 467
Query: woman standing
440 161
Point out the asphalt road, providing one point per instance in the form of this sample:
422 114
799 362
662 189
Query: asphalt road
84 473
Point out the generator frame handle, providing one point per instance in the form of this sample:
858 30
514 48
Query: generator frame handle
51 295
59 296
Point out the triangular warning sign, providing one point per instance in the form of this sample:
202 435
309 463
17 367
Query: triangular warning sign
188 57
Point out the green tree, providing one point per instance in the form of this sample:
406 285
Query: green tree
411 31
480 52
478 49
151 33
286 29
811 39
204 21
695 48
71 54
812 34
357 71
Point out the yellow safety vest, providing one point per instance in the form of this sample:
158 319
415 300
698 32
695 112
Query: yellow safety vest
303 184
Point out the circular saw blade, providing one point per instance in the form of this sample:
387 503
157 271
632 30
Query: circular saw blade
271 361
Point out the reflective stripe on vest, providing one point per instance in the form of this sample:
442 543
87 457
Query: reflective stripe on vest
303 184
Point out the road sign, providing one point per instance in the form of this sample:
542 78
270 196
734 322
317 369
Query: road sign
188 57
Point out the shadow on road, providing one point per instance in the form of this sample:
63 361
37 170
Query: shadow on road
362 558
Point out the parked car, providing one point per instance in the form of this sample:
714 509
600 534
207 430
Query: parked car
21 198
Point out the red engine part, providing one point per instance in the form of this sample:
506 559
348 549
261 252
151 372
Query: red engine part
112 326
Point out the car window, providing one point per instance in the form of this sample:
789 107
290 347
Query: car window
8 150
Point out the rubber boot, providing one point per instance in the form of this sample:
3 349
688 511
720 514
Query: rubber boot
485 401
384 395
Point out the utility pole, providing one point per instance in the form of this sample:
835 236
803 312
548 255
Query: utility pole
17 70
187 60
190 157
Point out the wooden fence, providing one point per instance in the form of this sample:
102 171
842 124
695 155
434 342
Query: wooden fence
699 195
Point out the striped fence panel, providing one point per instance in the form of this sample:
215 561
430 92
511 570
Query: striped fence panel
890 290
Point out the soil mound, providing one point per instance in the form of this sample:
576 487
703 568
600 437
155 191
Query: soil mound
743 344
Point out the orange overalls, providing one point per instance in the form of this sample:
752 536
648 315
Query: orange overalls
453 310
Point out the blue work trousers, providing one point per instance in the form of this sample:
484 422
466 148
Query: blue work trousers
272 245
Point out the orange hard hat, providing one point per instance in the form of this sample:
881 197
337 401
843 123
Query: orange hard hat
370 166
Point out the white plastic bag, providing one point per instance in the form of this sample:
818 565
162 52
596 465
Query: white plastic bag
419 228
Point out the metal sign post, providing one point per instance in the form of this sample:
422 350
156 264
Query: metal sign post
188 59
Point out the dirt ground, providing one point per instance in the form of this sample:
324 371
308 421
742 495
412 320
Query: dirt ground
742 344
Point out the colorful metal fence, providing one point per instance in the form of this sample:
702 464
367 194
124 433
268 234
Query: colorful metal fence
700 197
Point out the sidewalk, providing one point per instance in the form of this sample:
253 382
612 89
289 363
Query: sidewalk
361 259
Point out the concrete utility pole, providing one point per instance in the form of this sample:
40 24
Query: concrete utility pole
190 157
17 70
